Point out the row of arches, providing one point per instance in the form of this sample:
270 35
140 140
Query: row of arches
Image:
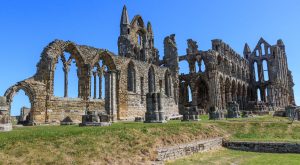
231 90
194 93
132 80
263 50
236 69
198 66
70 68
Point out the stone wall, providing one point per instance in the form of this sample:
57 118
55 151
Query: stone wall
71 108
175 152
272 147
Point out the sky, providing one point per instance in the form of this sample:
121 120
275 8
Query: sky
28 26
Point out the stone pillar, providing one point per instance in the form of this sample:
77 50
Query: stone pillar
110 95
260 71
100 85
95 84
213 91
66 76
156 105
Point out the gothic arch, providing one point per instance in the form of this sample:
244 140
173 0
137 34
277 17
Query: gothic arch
107 58
68 47
138 21
27 88
50 56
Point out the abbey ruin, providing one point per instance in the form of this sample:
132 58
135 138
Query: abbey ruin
257 81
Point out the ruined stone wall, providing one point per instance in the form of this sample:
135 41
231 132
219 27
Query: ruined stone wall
133 103
61 109
137 70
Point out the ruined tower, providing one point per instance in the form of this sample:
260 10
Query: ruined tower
136 41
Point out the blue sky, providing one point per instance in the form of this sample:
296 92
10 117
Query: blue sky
28 26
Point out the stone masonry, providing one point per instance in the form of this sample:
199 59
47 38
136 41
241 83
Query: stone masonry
137 70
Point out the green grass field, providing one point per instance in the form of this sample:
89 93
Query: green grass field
232 157
128 143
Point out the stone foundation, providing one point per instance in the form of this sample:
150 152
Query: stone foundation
175 152
5 127
264 147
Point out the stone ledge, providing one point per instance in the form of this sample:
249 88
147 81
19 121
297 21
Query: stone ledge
270 147
100 124
178 151
5 127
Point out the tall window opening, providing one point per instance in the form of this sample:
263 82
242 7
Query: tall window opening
66 77
258 95
263 52
131 78
266 70
98 80
256 73
189 94
202 66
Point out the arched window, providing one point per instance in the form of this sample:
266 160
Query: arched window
66 70
266 70
131 78
98 80
184 67
256 73
197 66
258 94
151 80
168 88
189 94
263 52
257 53
202 66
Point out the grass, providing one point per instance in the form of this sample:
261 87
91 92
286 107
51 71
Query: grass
232 157
129 143
122 143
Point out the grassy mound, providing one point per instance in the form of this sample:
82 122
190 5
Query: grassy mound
122 143
130 143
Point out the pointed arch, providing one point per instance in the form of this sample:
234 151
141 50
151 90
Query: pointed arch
28 90
138 21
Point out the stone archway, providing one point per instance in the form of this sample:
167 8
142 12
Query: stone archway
104 59
202 94
12 91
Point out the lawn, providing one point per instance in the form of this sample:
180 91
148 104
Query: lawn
129 142
232 157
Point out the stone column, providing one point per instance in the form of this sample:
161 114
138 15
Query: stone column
110 95
260 71
95 85
100 84
213 91
66 76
